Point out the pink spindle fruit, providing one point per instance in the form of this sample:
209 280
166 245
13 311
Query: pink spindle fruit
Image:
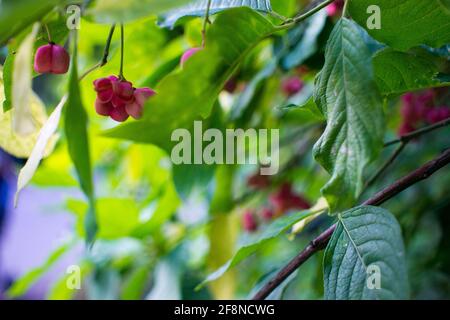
51 58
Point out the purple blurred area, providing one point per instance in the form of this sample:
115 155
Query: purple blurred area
29 233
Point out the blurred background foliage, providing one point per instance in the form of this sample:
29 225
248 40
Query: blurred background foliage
163 229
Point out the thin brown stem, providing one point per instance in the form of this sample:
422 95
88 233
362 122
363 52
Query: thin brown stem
105 55
294 21
386 165
415 134
122 45
49 36
321 241
205 23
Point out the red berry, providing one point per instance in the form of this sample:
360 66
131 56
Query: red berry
123 93
405 128
119 114
267 214
141 95
103 108
51 58
335 8
188 54
118 99
231 85
438 114
285 199
104 88
258 181
249 222
292 86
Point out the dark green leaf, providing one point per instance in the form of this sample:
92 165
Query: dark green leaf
185 96
398 72
309 107
17 15
348 97
366 239
406 23
78 144
198 9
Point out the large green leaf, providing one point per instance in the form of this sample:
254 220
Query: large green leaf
197 8
347 95
17 15
406 23
75 123
366 240
398 72
185 96
113 11
116 217
274 230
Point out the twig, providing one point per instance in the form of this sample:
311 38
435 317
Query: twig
122 45
386 165
293 21
321 241
415 134
205 22
105 55
344 10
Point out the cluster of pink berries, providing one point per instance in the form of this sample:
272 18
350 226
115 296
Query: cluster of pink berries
335 8
280 202
51 58
118 99
418 108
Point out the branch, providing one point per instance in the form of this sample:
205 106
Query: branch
415 134
293 21
386 165
321 241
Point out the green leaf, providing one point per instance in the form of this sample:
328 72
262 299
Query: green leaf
406 23
113 11
116 217
366 239
44 143
309 110
198 9
185 96
136 283
21 91
75 121
398 72
7 81
347 95
274 230
17 15
22 285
